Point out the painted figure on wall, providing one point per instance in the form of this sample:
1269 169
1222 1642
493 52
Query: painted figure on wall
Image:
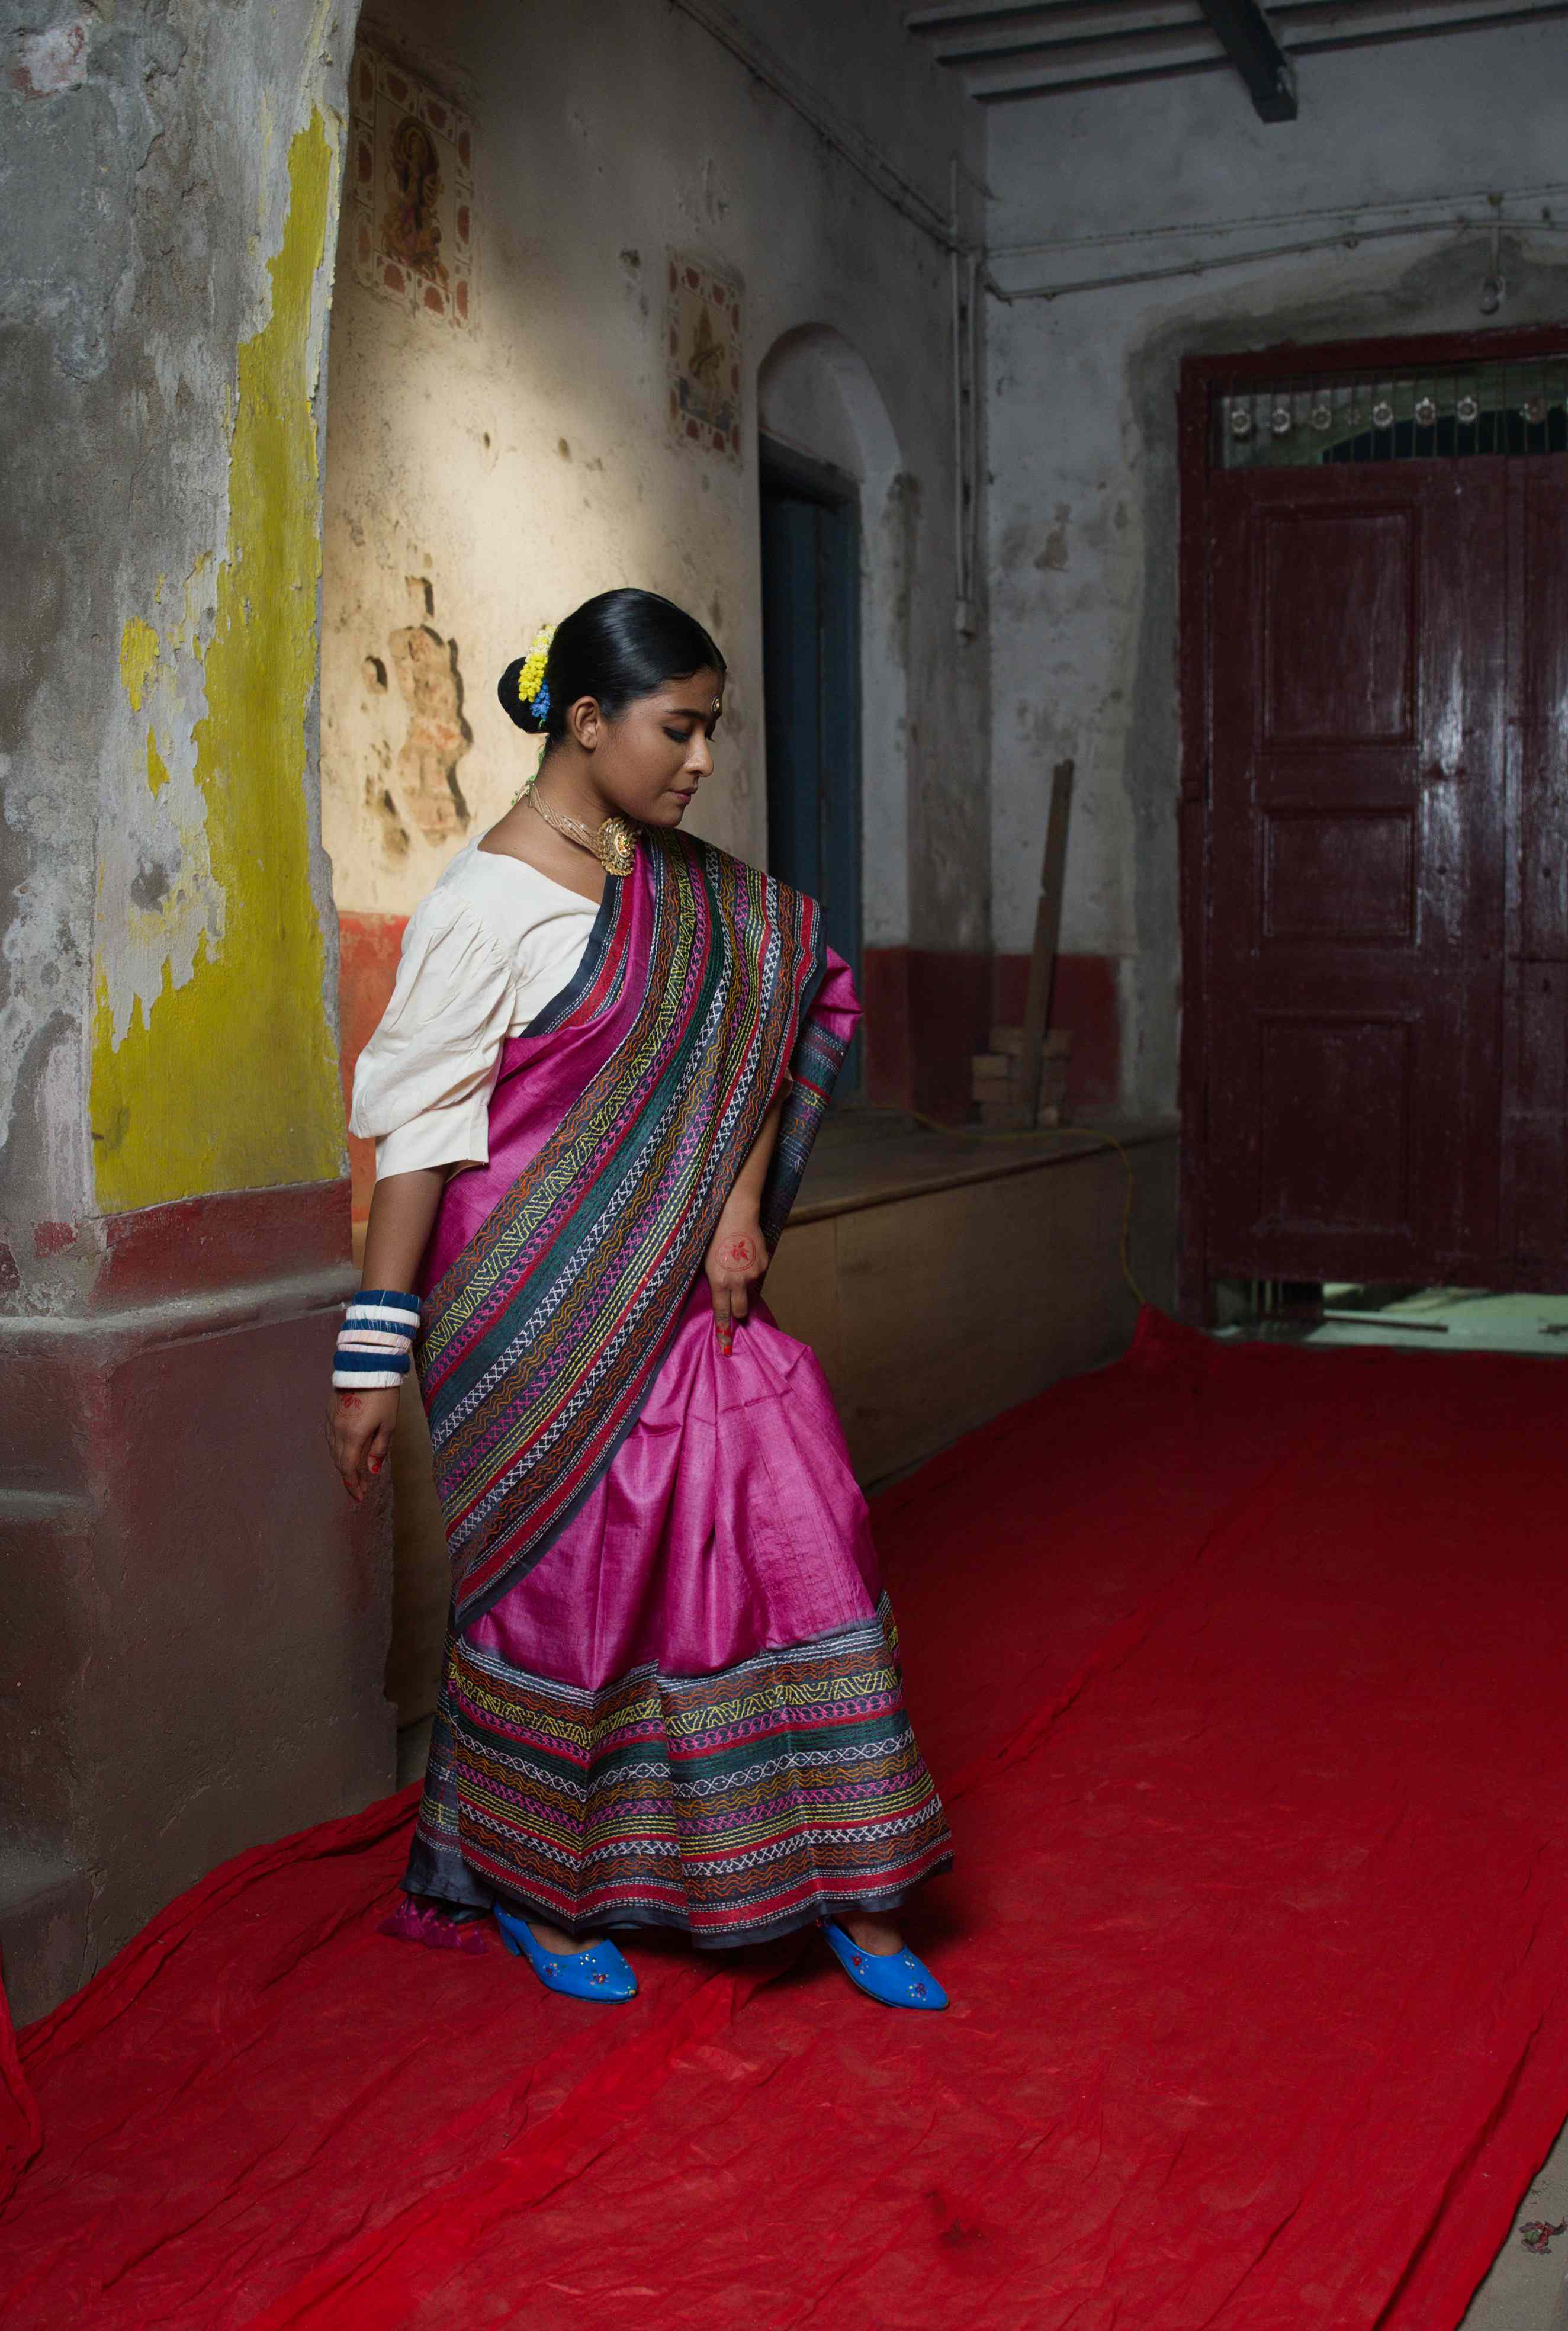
705 363
409 194
426 666
411 226
704 350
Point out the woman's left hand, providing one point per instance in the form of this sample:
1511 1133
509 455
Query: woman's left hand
735 1261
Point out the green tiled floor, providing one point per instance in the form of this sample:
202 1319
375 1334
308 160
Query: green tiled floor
1470 1319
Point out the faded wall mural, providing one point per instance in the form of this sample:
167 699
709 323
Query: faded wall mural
411 190
425 665
704 355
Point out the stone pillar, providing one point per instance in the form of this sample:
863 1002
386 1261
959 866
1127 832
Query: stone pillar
193 1620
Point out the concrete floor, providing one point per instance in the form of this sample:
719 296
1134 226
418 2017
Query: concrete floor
1526 2289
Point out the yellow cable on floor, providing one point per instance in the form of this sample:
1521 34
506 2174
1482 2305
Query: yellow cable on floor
1095 1133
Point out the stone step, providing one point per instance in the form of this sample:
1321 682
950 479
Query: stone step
43 1907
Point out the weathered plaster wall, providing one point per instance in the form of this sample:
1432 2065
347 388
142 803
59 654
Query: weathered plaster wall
210 940
515 468
195 1618
1082 406
169 178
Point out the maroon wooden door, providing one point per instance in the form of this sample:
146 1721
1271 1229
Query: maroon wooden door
1355 893
1535 1053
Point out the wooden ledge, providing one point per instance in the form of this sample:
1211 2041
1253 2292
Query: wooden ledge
873 1157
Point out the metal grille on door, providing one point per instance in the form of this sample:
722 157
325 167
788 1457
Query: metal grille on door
1512 410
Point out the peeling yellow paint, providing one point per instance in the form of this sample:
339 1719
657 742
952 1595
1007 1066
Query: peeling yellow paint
138 655
157 775
230 1080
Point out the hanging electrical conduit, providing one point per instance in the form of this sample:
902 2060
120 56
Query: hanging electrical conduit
1477 214
972 265
966 257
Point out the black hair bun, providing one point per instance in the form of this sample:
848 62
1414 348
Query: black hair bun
515 707
615 648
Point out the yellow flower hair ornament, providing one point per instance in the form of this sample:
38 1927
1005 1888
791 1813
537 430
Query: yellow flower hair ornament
531 688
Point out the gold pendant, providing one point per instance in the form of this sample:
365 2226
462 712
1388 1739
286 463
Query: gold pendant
617 844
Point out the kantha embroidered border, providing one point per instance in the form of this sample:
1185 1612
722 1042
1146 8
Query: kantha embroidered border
542 1340
735 1805
818 1058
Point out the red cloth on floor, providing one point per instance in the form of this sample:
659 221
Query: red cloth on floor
1242 1671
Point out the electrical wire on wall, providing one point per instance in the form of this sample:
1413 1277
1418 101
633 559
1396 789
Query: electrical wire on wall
1493 219
966 259
965 267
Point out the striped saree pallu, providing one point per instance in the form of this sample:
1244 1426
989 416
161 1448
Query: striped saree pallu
619 1122
736 1803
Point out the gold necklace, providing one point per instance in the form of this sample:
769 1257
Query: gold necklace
614 845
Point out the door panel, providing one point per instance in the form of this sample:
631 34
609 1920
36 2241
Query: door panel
1355 906
1540 520
1536 1125
1336 1096
793 689
1356 571
810 685
1347 875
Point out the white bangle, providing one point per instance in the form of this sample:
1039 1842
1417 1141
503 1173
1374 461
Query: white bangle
376 1342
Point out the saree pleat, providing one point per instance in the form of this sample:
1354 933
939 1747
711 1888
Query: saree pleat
672 1692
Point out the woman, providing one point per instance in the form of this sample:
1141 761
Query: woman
671 1694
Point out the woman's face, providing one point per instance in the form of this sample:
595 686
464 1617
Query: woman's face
649 761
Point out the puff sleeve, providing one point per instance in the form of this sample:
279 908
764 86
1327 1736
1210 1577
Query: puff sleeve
423 1084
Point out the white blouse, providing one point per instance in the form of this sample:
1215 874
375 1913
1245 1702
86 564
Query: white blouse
481 957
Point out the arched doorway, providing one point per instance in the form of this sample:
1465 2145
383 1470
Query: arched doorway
833 545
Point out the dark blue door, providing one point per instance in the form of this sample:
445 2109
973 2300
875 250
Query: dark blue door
810 604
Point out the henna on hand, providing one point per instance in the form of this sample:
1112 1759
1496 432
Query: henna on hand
740 1253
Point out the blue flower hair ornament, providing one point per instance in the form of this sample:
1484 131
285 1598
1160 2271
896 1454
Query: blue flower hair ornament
523 688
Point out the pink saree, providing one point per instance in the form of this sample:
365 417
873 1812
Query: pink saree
672 1692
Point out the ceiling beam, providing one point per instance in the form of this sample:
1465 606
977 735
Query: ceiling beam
1059 48
1013 83
1032 15
1248 39
1081 62
1329 18
1066 28
1070 60
1384 19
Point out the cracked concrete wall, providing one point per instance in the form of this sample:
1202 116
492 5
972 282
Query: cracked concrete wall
192 1666
516 467
1082 409
169 184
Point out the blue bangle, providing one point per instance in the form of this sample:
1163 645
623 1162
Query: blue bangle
384 1307
375 1341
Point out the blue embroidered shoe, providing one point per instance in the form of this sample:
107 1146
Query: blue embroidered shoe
599 1974
898 1978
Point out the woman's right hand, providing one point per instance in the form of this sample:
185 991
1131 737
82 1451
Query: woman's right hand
359 1434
